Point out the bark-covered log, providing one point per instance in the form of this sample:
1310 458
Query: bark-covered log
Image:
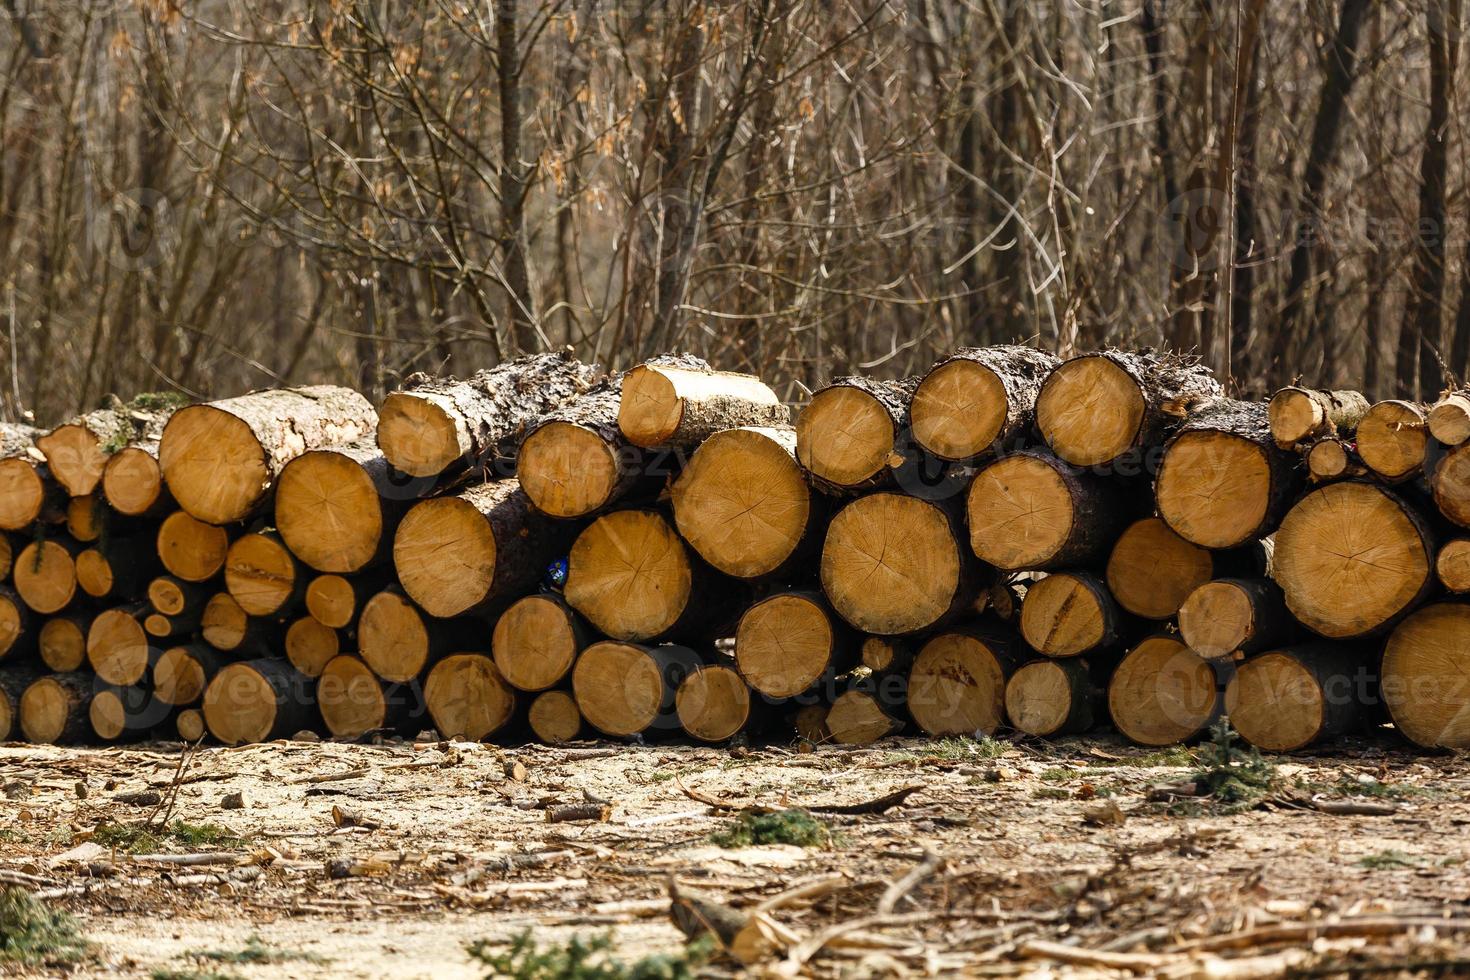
744 504
53 710
978 400
262 574
398 640
625 689
1097 408
1352 559
434 424
14 680
1449 419
7 555
337 509
788 642
191 549
227 627
809 721
1223 481
1291 698
536 641
183 672
894 564
1452 565
220 458
1450 484
1068 614
310 645
554 717
18 629
354 701
1393 440
958 682
1163 693
680 407
117 568
633 578
1425 665
45 574
63 641
1333 459
1047 698
257 701
26 487
477 549
77 451
1304 415
117 714
713 703
1032 511
132 482
118 647
1235 615
851 435
1152 570
467 698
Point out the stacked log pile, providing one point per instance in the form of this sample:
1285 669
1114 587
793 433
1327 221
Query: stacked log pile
1011 541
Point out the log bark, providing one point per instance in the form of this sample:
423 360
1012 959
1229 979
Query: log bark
467 697
788 643
183 672
221 458
26 487
958 682
1047 698
1236 616
354 701
1068 614
554 717
436 425
118 648
477 550
310 645
978 400
1423 681
1449 420
1304 415
53 710
337 509
1097 409
192 550
1163 693
77 452
1393 440
680 407
1291 698
1032 511
851 436
258 701
626 689
45 574
536 641
263 576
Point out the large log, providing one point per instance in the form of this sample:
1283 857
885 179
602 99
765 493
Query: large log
262 574
117 645
220 458
1235 615
398 640
1068 614
625 689
851 435
743 503
1352 559
1303 415
680 407
1152 570
53 710
467 698
191 549
894 564
633 578
1032 511
476 550
978 400
1223 482
336 509
1393 440
45 574
183 672
258 701
788 642
554 717
25 483
432 424
77 451
1163 693
63 641
713 703
1047 698
354 701
1096 409
310 645
1425 665
1449 420
1291 698
958 682
536 641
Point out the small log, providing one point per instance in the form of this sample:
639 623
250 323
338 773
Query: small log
894 564
63 641
633 578
744 505
86 518
1032 511
867 712
433 424
172 596
354 701
1353 558
132 482
1423 682
1291 698
7 555
45 574
228 628
713 703
221 458
118 714
1333 459
978 400
337 509
1450 484
1452 565
118 568
473 551
1163 693
1068 614
53 710
14 680
623 689
467 697
886 655
18 631
258 701
183 672
787 643
26 488
554 717
1449 419
680 407
1223 482
162 627
850 436
1393 440
262 574
118 648
398 640
1096 409
810 723
1152 570
1235 615
536 641
191 549
1304 415
77 451
958 682
190 725
336 600
1047 698
311 645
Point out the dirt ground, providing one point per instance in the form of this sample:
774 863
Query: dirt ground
1354 863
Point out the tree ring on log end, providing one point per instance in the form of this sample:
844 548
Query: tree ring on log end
1426 676
63 645
132 482
783 645
1038 698
328 511
1452 565
444 552
958 410
350 697
22 494
957 686
216 467
1393 438
567 470
1152 570
1275 703
117 647
1063 616
467 697
423 435
1162 693
1216 619
260 573
392 638
332 600
178 678
45 708
240 705
554 717
1214 488
1090 411
45 576
845 436
713 703
191 549
534 643
1020 512
619 687
629 574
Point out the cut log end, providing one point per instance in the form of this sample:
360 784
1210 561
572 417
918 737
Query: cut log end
554 718
310 645
84 518
46 576
168 595
1449 421
328 511
223 624
351 698
1328 459
393 638
713 703
419 436
445 554
190 725
180 676
214 465
622 689
535 643
1393 439
845 436
1424 669
785 644
53 709
1090 411
94 573
117 647
1020 512
467 697
114 713
132 481
1452 565
1276 703
1152 570
568 470
660 404
1216 619
75 457
332 600
891 564
859 718
13 625
959 410
241 705
1163 693
1450 484
1214 488
1295 415
1068 614
63 644
882 654
743 502
261 574
22 494
957 685
630 575
191 549
1049 697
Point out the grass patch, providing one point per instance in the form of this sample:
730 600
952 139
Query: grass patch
140 839
1232 774
1173 757
164 973
33 932
585 959
783 827
1059 774
1349 785
1385 860
1052 793
256 951
954 749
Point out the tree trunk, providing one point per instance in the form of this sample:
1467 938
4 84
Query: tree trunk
1393 440
537 640
1163 693
77 452
398 640
467 698
336 600
310 646
1449 420
1047 698
1424 669
53 710
63 641
183 672
192 550
1068 614
14 680
354 702
714 704
1333 459
679 408
851 436
1305 415
18 630
263 576
337 509
45 574
1289 699
554 717
624 689
117 714
25 482
227 627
